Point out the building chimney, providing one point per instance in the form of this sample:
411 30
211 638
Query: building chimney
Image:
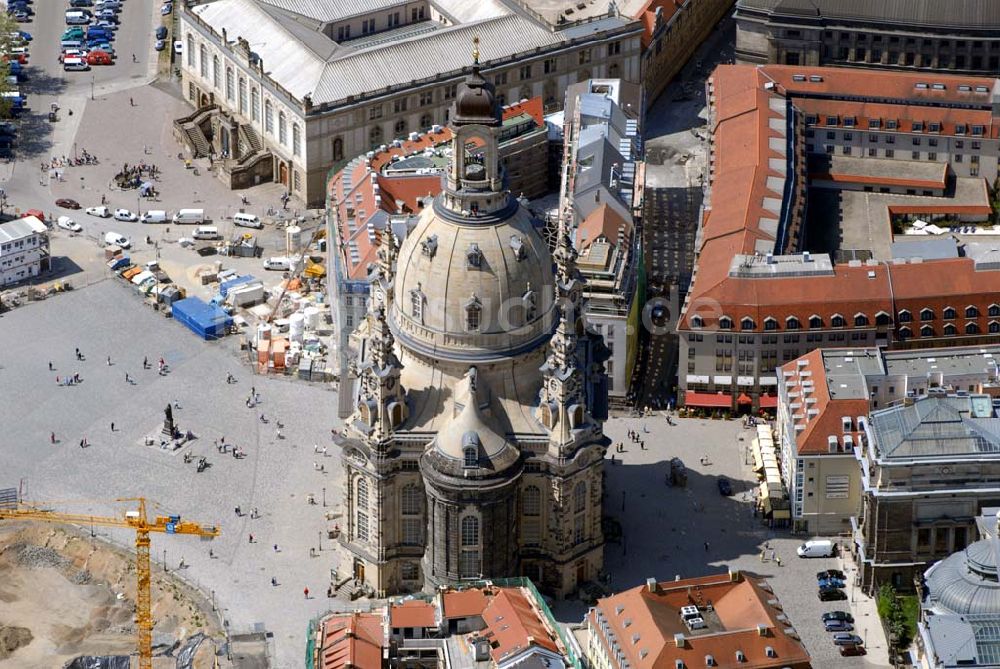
652 585
734 575
761 629
680 641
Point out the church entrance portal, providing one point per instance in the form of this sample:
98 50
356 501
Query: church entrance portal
359 569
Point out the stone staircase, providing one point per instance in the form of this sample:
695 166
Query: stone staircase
348 589
249 140
188 129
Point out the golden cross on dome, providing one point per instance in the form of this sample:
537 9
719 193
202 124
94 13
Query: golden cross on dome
475 50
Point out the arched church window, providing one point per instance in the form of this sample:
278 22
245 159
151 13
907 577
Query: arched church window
473 314
469 558
471 454
412 500
362 493
417 304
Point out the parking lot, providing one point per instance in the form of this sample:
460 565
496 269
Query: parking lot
692 531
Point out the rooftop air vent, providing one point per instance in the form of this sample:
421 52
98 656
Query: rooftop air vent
815 78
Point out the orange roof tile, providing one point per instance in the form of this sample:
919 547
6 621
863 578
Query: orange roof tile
602 221
654 618
741 153
464 603
515 625
412 613
353 640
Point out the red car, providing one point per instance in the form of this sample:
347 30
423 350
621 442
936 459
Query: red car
99 58
852 650
67 203
37 213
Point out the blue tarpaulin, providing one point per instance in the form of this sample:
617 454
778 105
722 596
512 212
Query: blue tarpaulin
205 320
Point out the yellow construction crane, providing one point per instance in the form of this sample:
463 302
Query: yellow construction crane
135 520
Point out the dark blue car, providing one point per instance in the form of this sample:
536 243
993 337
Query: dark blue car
831 583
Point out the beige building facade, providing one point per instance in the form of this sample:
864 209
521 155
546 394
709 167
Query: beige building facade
284 91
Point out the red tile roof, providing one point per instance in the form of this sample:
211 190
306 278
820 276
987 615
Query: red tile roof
647 14
464 603
351 640
828 421
741 195
645 623
412 613
515 625
603 221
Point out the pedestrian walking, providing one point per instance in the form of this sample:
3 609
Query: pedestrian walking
109 361
254 513
50 365
772 554
305 592
145 363
52 437
251 538
275 548
274 581
706 546
237 510
112 426
126 377
81 443
77 354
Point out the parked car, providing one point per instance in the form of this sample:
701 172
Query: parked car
125 215
831 573
161 32
831 583
838 615
725 487
816 548
73 53
67 223
107 25
7 129
178 46
831 595
67 203
166 9
102 212
838 626
160 45
98 57
25 36
21 16
852 650
847 639
73 33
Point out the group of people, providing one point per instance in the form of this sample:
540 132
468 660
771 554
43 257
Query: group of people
133 176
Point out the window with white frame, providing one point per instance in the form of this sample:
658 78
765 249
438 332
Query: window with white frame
282 129
296 140
230 84
255 104
469 561
268 117
216 72
203 61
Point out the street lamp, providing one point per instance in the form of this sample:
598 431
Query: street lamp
324 497
92 78
319 540
165 561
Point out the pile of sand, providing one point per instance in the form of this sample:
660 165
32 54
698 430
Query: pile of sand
12 638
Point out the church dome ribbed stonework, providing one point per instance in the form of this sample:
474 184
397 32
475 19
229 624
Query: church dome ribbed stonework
447 268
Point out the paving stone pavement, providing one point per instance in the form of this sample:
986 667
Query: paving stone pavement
105 319
694 531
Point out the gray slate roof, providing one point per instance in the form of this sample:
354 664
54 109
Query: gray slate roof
305 62
970 14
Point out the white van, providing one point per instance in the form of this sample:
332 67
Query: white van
206 232
278 263
115 239
76 64
817 548
74 18
190 216
154 216
247 220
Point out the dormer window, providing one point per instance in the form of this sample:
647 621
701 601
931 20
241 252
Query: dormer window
971 312
837 321
993 311
905 316
417 304
950 329
697 322
770 324
473 314
470 449
517 246
429 246
791 323
948 313
971 328
926 331
860 320
815 322
474 257
926 315
881 318
746 323
725 323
